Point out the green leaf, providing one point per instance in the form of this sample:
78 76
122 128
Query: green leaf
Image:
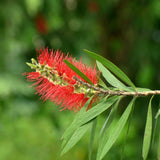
154 133
127 132
142 89
83 117
157 114
78 134
148 132
105 128
110 78
95 111
114 134
119 73
70 130
92 137
101 83
110 117
76 70
155 126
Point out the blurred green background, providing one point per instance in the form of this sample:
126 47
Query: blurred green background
125 32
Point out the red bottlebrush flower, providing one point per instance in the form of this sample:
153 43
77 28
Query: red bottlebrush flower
54 80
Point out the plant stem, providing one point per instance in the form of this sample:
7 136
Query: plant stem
120 92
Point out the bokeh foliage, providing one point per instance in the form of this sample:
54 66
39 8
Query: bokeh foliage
126 32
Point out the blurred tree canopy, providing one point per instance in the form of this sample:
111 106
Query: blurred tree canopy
125 32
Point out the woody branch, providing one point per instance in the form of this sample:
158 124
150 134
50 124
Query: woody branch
123 93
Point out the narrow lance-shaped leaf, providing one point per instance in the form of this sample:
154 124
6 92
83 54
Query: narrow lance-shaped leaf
70 130
101 83
119 73
76 70
117 130
148 132
142 89
127 132
155 126
84 117
110 117
92 137
158 112
105 128
78 134
95 111
110 78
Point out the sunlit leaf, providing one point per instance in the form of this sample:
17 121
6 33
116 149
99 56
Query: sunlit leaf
114 134
76 70
148 132
102 84
113 68
142 89
110 78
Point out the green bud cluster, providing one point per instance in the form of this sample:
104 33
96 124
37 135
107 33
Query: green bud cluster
53 76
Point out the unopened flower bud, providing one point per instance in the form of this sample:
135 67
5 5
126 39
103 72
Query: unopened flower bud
34 61
31 65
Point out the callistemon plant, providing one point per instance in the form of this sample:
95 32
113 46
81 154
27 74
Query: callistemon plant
74 86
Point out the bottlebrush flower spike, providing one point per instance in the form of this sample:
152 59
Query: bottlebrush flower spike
54 80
